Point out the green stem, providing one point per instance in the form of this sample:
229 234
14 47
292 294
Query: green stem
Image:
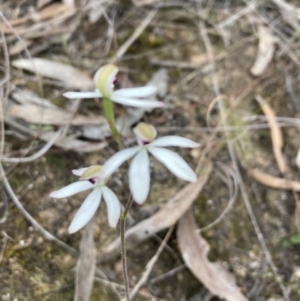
123 246
109 113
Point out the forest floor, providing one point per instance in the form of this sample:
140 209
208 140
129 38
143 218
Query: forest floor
228 72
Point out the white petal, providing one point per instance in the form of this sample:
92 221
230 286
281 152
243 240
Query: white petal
139 103
116 160
79 172
145 91
86 211
72 95
71 189
139 176
174 163
113 206
174 141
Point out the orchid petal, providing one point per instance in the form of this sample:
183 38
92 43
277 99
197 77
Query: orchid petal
139 103
145 91
113 163
79 172
174 141
71 189
139 176
73 95
104 79
86 211
174 163
145 132
113 206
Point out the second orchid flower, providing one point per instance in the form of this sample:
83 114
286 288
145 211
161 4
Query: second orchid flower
139 171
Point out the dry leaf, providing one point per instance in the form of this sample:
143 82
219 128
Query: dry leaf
288 12
69 75
41 3
71 143
55 116
265 51
25 95
85 269
167 216
194 250
274 182
19 46
276 134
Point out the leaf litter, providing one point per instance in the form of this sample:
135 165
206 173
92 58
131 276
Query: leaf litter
194 250
235 81
70 76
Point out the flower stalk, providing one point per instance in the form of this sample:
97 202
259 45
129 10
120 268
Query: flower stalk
123 246
109 114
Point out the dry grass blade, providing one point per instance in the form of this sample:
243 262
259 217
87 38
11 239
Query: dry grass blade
70 76
150 265
272 181
266 49
194 250
276 134
86 264
139 30
164 218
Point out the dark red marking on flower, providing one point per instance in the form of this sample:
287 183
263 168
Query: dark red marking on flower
145 142
115 82
93 181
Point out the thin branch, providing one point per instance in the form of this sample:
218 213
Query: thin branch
139 30
150 265
38 154
31 220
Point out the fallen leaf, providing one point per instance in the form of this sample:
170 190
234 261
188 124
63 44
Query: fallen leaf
19 46
274 182
69 75
41 3
160 79
288 12
24 96
167 216
194 250
266 49
71 143
276 134
36 114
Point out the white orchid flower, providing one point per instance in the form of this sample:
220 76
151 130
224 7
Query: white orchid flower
90 180
139 171
105 80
